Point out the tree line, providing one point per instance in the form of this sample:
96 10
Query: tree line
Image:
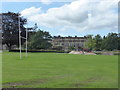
109 42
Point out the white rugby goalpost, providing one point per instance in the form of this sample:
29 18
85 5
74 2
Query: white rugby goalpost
26 38
20 37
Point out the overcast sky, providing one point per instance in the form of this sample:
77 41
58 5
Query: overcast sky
77 17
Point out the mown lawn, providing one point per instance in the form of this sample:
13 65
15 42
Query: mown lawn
54 70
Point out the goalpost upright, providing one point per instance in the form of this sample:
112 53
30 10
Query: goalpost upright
26 40
20 37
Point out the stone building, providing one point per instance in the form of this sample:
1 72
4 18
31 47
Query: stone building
66 43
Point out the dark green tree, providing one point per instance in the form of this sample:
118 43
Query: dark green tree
71 48
111 41
103 44
98 42
119 41
40 40
10 29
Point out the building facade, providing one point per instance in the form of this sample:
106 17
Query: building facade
69 43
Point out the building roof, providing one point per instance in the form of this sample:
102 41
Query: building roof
69 37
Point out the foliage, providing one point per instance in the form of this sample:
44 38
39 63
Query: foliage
40 40
71 48
112 41
90 42
10 29
119 42
109 42
98 42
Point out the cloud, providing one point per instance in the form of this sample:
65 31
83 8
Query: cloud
46 1
42 1
28 12
80 15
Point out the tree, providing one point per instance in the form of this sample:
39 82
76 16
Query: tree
103 43
90 42
10 29
111 41
40 40
71 48
119 41
98 42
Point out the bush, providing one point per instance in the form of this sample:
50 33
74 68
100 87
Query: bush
46 51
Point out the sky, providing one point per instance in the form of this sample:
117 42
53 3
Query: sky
70 18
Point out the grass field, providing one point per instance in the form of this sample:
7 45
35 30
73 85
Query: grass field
54 70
